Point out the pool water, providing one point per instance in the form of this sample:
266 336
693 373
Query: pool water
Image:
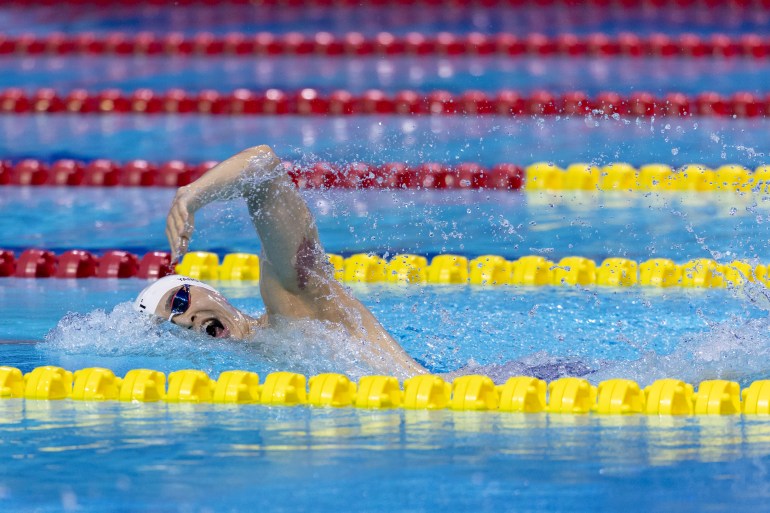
163 457
95 457
153 457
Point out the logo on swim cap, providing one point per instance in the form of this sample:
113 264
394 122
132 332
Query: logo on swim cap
149 299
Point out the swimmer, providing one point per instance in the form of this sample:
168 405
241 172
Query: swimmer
296 280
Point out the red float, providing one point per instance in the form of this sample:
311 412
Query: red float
14 100
47 100
509 103
644 105
154 265
576 103
397 175
660 45
601 45
542 103
475 103
677 104
146 101
747 105
35 263
356 44
243 101
505 177
29 44
238 44
177 101
112 100
712 104
275 102
754 46
725 46
146 43
477 43
386 43
80 101
66 172
117 264
409 102
357 175
120 44
29 172
540 45
309 101
7 263
76 263
417 44
266 44
101 173
175 43
611 104
173 173
450 45
631 45
441 102
570 44
297 44
693 46
471 176
376 102
508 44
138 173
5 172
326 44
212 102
206 44
342 103
323 175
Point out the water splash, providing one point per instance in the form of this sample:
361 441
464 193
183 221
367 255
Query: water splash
123 339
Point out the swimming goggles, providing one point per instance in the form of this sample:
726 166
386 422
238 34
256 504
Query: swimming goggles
180 302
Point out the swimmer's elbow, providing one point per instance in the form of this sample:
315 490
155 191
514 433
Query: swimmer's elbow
257 151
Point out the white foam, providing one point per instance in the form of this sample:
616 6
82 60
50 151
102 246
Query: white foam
115 339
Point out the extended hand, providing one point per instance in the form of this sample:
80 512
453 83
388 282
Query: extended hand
180 223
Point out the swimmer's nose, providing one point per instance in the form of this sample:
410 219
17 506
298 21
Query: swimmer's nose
181 321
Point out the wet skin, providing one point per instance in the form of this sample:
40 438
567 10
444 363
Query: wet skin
211 314
296 280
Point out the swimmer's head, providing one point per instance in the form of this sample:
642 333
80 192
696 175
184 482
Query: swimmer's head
193 304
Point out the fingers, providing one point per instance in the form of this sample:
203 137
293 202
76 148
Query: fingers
179 229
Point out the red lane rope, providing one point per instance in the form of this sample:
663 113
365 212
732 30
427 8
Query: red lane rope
620 4
176 173
386 44
77 263
312 102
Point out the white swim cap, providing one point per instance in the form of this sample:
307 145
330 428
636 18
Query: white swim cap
148 300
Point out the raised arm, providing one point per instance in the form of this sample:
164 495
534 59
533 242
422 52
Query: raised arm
295 281
284 224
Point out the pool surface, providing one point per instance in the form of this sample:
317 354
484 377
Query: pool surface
161 457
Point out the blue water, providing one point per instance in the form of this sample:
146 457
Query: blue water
211 458
456 74
550 20
447 139
471 223
65 456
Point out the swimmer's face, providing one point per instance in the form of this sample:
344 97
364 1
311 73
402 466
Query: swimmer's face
208 313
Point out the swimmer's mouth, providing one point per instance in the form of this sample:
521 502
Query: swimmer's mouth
215 328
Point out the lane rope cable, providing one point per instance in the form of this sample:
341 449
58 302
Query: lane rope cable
442 269
519 394
311 102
